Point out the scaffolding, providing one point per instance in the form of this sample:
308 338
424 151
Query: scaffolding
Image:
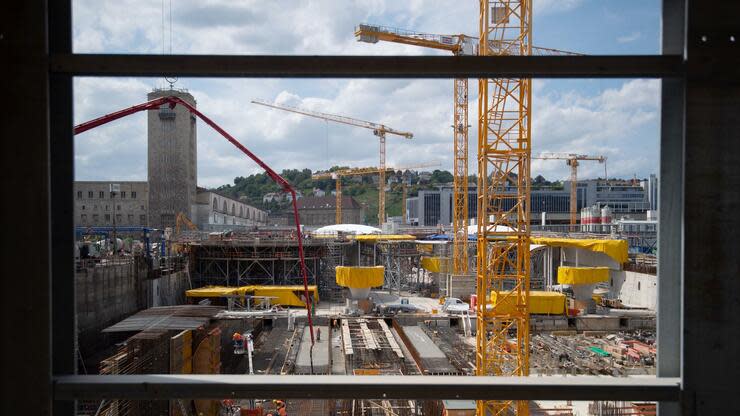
401 261
239 263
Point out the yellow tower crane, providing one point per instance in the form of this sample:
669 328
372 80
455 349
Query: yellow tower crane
458 45
504 152
571 159
380 130
337 175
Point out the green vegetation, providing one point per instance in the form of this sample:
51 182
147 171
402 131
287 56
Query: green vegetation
253 188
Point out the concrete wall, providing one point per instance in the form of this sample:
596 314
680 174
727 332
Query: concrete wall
106 294
587 258
634 289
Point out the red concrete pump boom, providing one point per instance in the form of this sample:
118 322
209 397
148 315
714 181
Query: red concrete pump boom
173 101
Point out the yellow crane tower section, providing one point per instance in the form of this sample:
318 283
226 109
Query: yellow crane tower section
458 45
337 175
504 152
572 160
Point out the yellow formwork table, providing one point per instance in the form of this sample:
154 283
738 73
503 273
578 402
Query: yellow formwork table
616 249
282 295
435 264
540 302
360 277
582 275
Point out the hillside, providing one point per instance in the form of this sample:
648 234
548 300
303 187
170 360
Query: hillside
253 188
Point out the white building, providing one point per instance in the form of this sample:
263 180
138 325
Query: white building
216 212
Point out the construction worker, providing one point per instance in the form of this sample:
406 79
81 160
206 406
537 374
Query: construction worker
318 334
238 341
279 409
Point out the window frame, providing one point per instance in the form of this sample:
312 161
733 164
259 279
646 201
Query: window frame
64 65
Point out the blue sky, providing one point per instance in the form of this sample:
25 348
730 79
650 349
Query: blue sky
616 118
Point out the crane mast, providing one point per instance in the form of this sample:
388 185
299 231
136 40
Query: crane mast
458 45
504 150
378 129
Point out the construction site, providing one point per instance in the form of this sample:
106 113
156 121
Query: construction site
204 284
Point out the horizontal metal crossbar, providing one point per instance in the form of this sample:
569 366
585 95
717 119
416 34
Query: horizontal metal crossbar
154 387
330 66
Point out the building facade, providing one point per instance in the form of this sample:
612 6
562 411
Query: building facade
215 212
321 210
172 160
625 198
96 206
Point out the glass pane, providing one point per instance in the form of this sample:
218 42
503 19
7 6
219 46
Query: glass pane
197 269
328 27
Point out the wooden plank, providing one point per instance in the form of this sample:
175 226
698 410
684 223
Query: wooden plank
391 339
346 338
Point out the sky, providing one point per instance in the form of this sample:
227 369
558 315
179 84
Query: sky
618 119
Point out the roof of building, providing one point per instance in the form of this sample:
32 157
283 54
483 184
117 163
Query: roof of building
356 229
178 317
327 202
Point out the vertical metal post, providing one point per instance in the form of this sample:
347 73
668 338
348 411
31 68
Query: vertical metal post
671 205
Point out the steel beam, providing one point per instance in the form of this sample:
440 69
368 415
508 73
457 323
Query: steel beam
671 205
157 387
330 66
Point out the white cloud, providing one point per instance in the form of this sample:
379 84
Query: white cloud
602 122
619 123
629 38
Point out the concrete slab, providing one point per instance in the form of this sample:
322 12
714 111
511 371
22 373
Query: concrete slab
321 353
430 358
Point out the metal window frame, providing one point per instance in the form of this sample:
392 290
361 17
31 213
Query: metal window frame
63 65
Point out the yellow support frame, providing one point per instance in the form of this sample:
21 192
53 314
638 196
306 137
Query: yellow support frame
460 172
504 154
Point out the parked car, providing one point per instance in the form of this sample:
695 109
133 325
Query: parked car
455 306
396 308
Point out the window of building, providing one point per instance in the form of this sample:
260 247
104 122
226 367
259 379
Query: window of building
130 218
102 194
112 195
118 207
133 194
79 194
225 209
83 207
123 194
106 207
215 205
233 209
83 218
89 194
107 217
142 219
95 218
119 218
142 207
